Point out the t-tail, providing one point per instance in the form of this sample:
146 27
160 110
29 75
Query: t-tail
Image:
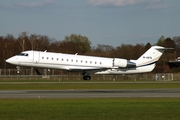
147 62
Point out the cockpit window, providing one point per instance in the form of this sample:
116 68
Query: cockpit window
23 54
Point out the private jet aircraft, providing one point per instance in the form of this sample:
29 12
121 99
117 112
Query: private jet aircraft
88 64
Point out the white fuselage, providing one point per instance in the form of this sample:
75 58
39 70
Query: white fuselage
60 61
88 64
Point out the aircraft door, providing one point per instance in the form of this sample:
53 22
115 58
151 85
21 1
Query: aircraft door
36 56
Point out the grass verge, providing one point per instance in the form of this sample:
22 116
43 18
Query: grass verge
91 109
78 86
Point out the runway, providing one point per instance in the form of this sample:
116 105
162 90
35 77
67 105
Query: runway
90 93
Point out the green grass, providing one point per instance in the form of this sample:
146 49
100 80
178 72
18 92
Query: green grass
91 109
77 86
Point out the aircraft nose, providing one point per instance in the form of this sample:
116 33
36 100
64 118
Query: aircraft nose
11 60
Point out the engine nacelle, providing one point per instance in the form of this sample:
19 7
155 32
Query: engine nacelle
123 63
120 62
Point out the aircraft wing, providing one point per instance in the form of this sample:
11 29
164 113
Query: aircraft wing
87 69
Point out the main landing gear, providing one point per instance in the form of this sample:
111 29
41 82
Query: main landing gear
86 76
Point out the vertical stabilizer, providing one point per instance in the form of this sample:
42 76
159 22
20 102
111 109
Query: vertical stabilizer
151 56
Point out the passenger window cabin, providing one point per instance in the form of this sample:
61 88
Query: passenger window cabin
95 62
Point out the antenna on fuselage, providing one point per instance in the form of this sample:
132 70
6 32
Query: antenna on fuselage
76 54
45 51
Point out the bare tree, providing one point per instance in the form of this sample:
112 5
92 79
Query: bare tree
33 40
22 40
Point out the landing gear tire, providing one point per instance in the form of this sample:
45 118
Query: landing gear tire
86 77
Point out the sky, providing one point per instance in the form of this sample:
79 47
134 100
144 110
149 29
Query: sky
109 22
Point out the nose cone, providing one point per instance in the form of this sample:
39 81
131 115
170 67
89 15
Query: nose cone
11 60
8 60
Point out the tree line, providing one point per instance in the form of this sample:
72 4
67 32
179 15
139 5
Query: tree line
10 46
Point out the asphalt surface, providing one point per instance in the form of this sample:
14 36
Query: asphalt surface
89 93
